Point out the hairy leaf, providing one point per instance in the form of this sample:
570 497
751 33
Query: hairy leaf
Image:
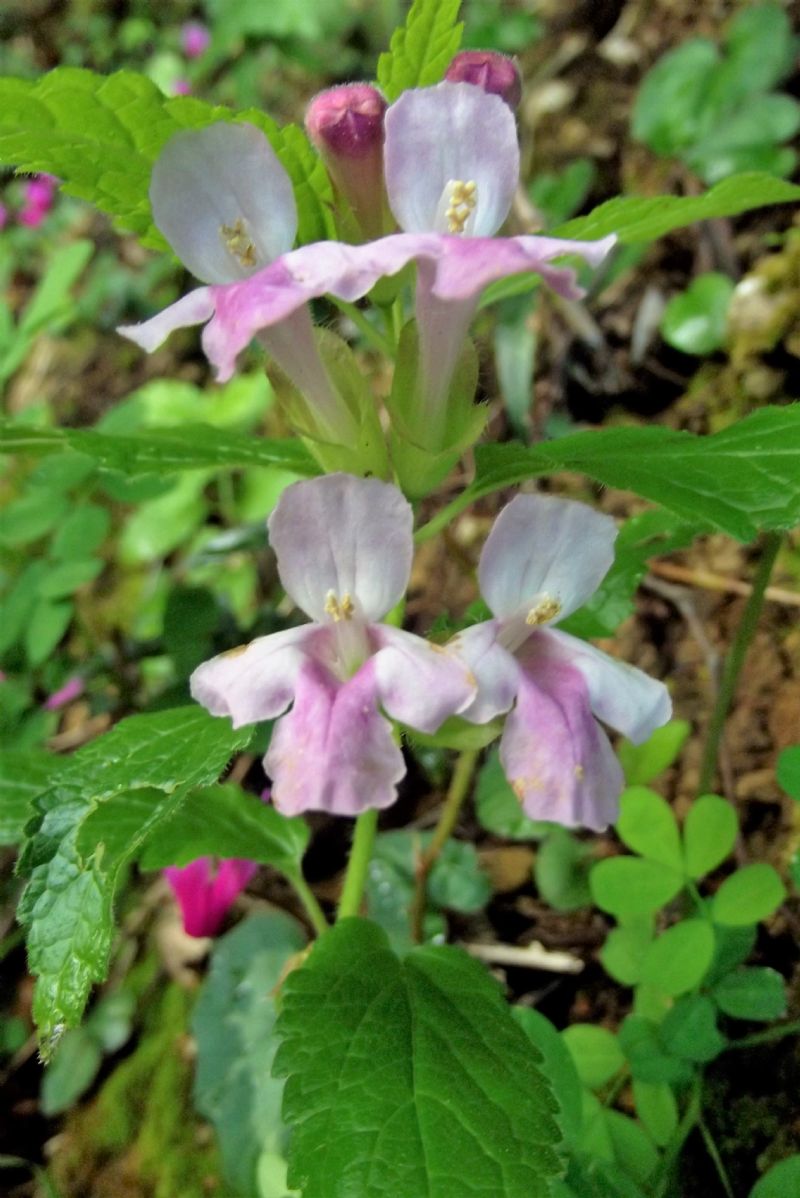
420 51
23 776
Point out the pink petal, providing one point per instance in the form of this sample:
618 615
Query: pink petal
256 681
346 537
467 265
206 892
544 548
554 753
494 668
418 683
620 695
224 176
194 308
334 751
438 135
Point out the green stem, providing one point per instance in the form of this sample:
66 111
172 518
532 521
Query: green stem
358 865
365 326
713 1152
687 1124
768 1036
312 908
735 659
457 793
445 515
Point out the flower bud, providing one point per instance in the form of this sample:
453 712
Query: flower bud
195 39
494 72
346 125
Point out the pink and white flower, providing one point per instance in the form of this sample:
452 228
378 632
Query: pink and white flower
344 548
542 560
206 890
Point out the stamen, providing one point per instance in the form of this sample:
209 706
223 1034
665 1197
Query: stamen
546 609
339 609
461 203
238 242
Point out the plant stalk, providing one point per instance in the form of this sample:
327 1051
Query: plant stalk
735 660
358 865
310 905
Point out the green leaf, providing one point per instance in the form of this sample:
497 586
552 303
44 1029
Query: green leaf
648 1059
733 947
31 516
753 893
101 135
780 1180
558 1067
756 993
233 1025
596 1053
678 959
23 776
624 950
67 577
81 532
71 1072
647 825
633 1148
498 808
644 218
696 321
690 1030
420 51
147 762
742 479
709 834
670 108
159 451
561 871
642 763
788 771
626 886
47 623
417 1064
656 1107
224 821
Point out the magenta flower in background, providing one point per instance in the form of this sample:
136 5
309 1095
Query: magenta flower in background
542 560
38 200
206 890
344 548
71 689
3 216
181 87
195 39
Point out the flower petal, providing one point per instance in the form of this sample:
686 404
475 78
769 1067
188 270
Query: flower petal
625 698
544 548
469 264
443 134
256 681
334 751
494 668
418 683
225 177
205 892
555 754
346 537
195 308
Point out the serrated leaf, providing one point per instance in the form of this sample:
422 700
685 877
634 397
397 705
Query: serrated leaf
23 776
420 51
416 1064
225 821
742 479
233 1026
191 447
101 134
67 905
644 218
558 1066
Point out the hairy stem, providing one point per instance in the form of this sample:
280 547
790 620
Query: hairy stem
735 660
310 905
358 865
457 793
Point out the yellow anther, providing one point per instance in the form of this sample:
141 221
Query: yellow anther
462 201
339 609
546 609
580 773
238 242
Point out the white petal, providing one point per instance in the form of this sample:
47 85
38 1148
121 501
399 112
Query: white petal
439 135
418 683
339 539
620 695
225 176
541 548
195 308
495 670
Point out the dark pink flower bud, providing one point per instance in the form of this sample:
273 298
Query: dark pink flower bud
195 39
346 125
71 689
494 72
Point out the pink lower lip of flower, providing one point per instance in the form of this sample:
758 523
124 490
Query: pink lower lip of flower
65 694
206 891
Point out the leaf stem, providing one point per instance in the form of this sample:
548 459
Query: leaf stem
358 865
365 326
713 1152
457 793
687 1124
768 1036
312 908
736 658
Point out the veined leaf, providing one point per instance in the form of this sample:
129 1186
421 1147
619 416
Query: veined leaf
420 51
23 776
